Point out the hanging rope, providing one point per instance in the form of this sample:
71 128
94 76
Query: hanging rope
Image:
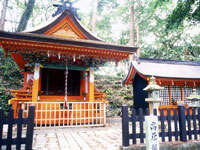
66 75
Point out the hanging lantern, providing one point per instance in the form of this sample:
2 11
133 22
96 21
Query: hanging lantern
153 94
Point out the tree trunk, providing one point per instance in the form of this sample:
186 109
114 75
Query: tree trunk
94 16
138 29
132 24
3 14
26 15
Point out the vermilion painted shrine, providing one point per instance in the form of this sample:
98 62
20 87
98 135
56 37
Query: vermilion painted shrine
58 61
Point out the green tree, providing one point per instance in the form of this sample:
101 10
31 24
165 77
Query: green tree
10 78
185 10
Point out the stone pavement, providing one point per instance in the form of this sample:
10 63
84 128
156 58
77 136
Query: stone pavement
90 138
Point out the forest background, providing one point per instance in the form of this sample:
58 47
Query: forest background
163 29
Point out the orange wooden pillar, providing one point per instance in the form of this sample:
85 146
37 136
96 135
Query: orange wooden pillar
91 85
36 81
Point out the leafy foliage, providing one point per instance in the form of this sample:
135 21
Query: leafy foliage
4 97
10 78
10 75
185 10
116 93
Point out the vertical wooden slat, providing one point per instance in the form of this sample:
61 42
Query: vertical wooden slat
76 116
41 113
1 125
133 119
45 112
55 112
169 125
182 124
10 126
162 121
182 95
92 112
141 122
188 118
81 110
104 112
30 126
175 124
125 126
72 113
170 94
59 114
100 113
147 112
194 123
19 129
50 114
36 114
155 112
96 121
198 119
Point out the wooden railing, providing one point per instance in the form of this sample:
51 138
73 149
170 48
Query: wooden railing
55 114
21 94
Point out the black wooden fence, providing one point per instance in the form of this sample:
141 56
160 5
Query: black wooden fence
176 125
7 141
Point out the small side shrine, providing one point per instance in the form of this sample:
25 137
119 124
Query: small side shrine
58 60
177 78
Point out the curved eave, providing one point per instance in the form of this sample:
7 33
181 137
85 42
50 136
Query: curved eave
129 76
57 19
39 43
161 80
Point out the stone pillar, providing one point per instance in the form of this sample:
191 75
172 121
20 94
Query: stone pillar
36 81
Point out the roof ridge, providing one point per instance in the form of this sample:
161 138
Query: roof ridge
167 61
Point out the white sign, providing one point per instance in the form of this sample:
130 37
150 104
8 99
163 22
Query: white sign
91 75
152 136
37 71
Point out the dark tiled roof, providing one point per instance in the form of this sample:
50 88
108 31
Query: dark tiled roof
168 68
56 20
166 61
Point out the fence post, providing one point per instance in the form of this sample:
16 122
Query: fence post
182 123
125 126
30 128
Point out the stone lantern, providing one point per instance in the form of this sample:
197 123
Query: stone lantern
194 99
153 94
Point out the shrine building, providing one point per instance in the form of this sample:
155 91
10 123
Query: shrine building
177 77
58 60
